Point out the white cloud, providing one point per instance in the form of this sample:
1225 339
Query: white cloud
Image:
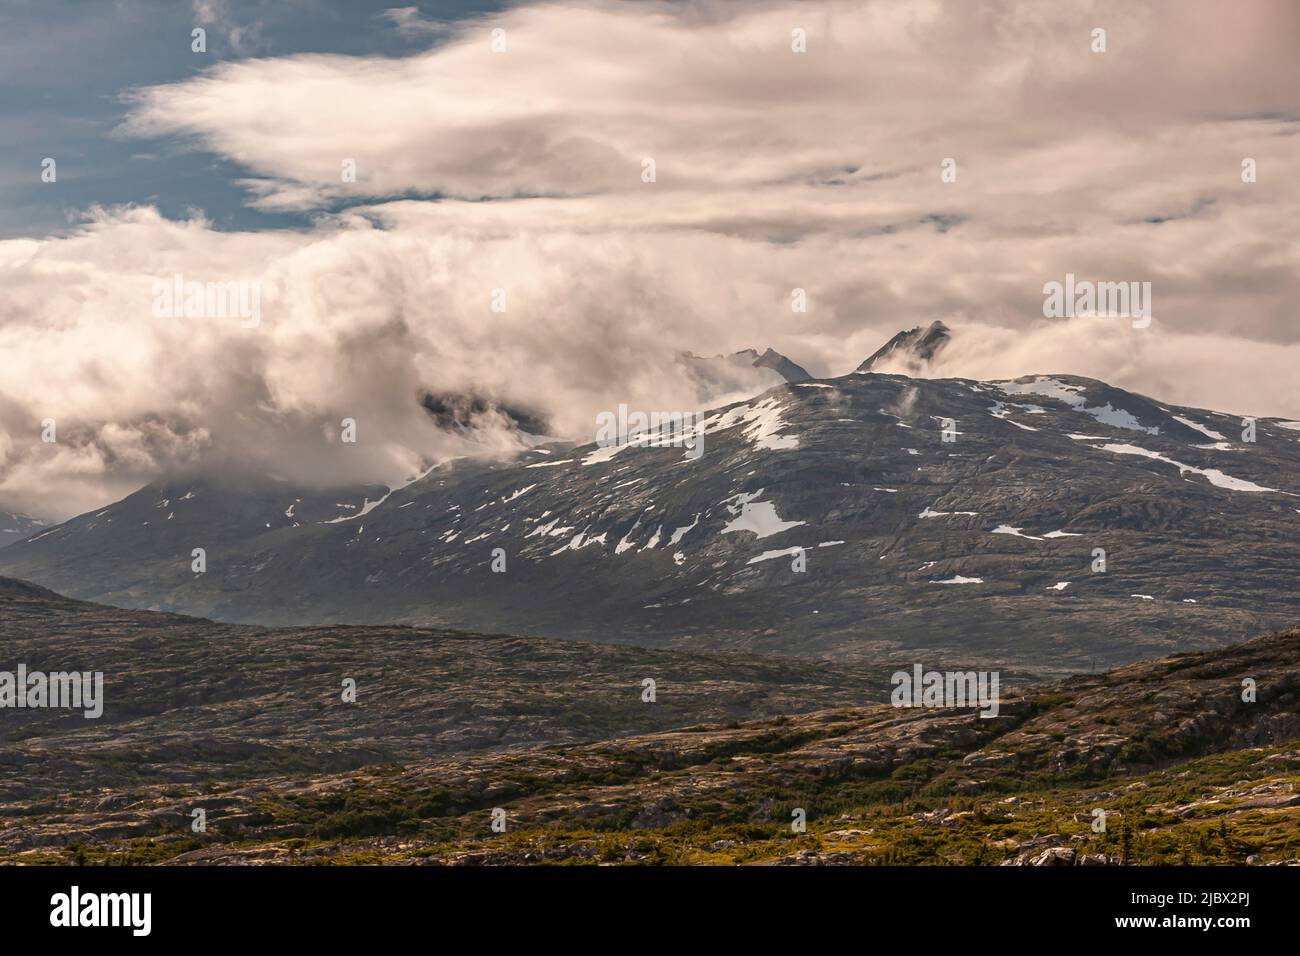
776 170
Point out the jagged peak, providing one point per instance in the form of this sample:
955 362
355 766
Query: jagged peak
914 348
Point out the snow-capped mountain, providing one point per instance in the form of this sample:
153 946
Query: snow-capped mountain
1048 523
177 515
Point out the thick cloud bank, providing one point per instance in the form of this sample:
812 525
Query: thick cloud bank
501 238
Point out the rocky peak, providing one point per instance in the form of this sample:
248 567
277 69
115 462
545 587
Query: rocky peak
913 349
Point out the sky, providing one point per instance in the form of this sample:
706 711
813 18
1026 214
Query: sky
898 162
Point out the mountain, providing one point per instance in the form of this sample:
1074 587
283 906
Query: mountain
722 378
458 412
827 518
15 526
782 366
1183 769
171 517
910 351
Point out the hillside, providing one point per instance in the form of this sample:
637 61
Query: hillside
1184 768
188 700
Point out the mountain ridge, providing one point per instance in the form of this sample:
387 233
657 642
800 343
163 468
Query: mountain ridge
981 547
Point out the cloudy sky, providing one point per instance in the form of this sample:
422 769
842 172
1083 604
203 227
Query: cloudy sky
504 147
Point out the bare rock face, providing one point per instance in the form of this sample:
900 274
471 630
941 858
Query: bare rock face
778 363
1055 856
464 412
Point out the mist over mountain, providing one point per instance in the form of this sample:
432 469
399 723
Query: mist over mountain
15 527
522 259
468 413
725 378
1052 522
909 352
780 433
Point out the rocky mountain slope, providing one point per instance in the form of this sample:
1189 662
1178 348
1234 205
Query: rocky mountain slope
215 514
188 700
860 518
1185 767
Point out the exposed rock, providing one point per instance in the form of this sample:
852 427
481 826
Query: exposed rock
1054 856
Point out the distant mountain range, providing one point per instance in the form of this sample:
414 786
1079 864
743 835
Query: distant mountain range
859 518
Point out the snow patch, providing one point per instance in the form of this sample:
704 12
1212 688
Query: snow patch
625 544
521 491
1014 532
366 507
602 453
760 517
762 423
681 532
1208 432
1072 395
999 410
769 555
931 513
1212 475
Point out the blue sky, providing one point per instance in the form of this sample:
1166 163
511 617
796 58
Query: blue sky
66 66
